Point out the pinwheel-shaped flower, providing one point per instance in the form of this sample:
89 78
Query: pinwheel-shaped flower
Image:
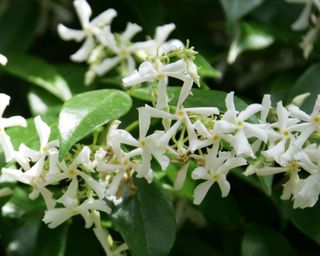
122 48
90 29
216 168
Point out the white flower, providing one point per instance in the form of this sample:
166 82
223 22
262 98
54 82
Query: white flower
90 29
243 130
281 133
217 166
72 172
181 116
122 50
306 192
160 46
5 123
57 216
3 60
149 71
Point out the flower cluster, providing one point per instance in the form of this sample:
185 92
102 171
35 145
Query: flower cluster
104 50
90 178
310 14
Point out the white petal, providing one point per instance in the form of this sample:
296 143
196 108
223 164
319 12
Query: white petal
84 12
185 91
201 190
70 34
82 158
162 99
16 174
53 161
230 102
283 116
6 146
241 144
130 32
303 21
98 205
104 18
203 111
70 193
200 173
43 131
14 121
222 126
201 129
252 130
83 53
4 102
48 198
266 103
56 217
316 107
131 64
276 151
224 185
181 176
95 185
250 111
162 32
106 65
296 112
3 60
231 163
114 186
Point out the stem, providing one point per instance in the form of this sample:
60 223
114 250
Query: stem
132 126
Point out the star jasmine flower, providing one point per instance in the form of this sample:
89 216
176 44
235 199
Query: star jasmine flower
181 116
90 29
3 60
278 139
57 216
306 192
6 123
216 168
312 121
122 49
38 183
149 71
72 172
244 130
43 131
213 136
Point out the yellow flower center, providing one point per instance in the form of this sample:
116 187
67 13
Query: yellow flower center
316 120
293 165
240 124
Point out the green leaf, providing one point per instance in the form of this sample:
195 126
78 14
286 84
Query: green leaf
236 9
266 183
306 220
18 25
146 221
262 240
199 97
86 111
38 72
205 69
249 36
52 242
308 82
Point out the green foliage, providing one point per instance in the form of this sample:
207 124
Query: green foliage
146 221
38 72
260 240
86 111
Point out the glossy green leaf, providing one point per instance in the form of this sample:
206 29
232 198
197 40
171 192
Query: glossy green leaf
308 82
262 240
236 9
249 36
86 111
38 72
199 97
146 221
306 220
205 69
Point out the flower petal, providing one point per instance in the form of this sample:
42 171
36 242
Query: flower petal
201 190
